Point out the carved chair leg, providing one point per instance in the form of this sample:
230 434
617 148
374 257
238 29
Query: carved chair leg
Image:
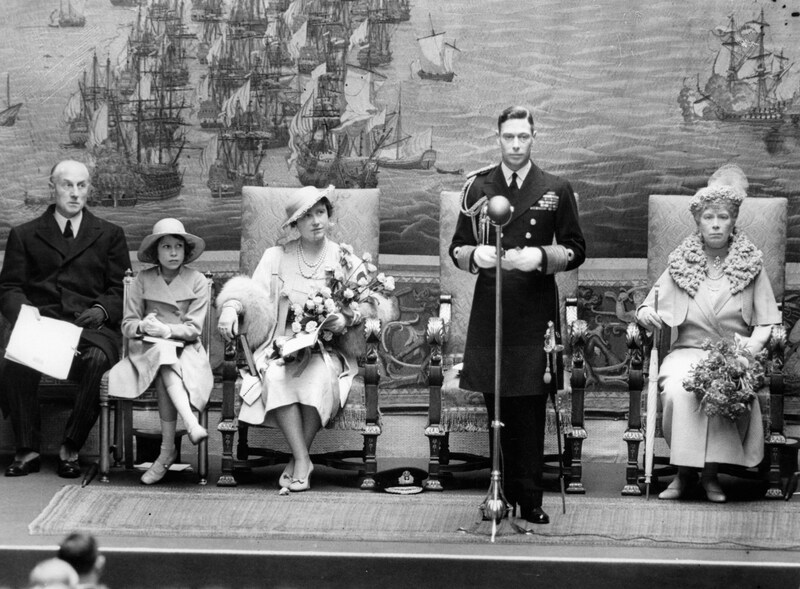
574 472
202 451
437 440
774 491
632 471
370 433
105 433
227 428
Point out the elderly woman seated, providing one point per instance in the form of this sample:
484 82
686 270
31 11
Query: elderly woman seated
714 288
298 392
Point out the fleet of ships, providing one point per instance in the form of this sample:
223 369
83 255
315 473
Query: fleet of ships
298 75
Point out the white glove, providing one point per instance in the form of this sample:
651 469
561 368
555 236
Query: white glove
151 325
648 318
526 259
228 323
334 323
485 256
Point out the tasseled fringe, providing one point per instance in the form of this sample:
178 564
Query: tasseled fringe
474 419
351 417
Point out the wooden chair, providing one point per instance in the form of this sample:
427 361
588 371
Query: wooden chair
124 410
355 223
763 220
452 409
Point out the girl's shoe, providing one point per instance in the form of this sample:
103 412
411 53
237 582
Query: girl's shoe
157 471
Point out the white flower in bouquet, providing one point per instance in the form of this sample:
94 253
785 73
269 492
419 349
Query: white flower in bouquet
297 327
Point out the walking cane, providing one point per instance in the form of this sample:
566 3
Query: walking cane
652 406
495 507
552 350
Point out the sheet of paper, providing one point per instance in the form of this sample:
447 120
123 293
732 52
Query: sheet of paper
42 343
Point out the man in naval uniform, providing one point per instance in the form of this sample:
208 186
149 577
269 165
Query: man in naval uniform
542 238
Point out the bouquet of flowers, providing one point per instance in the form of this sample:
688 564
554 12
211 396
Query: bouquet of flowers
328 311
726 381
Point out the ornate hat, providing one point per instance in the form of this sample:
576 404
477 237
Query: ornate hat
726 187
165 227
303 199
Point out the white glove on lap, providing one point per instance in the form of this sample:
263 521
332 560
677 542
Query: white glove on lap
151 325
485 256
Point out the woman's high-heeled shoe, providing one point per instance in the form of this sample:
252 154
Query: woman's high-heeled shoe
157 471
298 485
197 434
679 485
713 490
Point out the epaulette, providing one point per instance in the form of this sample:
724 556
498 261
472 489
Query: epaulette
470 179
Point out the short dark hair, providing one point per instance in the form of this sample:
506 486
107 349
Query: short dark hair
515 112
328 207
80 551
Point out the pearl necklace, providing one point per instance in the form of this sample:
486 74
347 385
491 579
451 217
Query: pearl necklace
301 260
714 268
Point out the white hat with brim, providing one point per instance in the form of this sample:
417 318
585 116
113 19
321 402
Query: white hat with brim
302 200
163 228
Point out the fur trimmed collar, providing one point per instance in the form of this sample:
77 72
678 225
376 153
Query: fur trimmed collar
688 263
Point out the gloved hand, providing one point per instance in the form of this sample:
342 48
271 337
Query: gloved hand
228 323
648 318
153 326
485 256
526 259
93 317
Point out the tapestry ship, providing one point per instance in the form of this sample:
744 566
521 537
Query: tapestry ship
8 116
438 56
73 16
407 152
748 88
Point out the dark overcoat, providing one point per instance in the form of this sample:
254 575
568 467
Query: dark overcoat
63 278
545 212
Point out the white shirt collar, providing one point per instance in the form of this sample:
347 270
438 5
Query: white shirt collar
521 173
62 222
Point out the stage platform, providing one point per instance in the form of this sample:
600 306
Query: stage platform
284 562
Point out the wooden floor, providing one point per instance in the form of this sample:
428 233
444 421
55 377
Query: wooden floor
193 562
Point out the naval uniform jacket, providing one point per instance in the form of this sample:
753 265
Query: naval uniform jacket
545 212
62 278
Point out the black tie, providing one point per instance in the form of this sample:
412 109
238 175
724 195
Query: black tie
514 186
68 230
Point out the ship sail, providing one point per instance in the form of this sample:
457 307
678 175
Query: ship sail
432 48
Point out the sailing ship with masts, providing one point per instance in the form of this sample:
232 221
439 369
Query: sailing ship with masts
71 16
408 152
8 116
438 55
745 81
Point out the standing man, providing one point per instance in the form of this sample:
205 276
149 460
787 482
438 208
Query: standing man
68 264
543 237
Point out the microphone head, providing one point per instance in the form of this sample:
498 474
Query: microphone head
499 210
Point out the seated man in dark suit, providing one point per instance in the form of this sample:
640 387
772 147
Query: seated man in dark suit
68 264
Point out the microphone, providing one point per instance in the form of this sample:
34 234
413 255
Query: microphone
499 210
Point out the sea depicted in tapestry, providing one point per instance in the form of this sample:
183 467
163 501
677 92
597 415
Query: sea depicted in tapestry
181 103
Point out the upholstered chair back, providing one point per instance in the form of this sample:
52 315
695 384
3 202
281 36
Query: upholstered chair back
355 217
763 220
461 285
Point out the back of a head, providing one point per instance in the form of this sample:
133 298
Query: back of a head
53 573
80 551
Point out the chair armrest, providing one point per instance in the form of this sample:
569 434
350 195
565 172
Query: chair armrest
635 340
372 332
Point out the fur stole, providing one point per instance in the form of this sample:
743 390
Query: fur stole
258 317
353 342
688 263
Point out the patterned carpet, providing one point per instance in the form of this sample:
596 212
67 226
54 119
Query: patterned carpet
426 517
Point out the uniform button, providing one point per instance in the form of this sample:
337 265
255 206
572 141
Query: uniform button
527 235
501 234
533 221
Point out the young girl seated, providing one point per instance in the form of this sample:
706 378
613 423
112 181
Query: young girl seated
164 314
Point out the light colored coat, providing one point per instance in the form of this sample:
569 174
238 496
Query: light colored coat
181 304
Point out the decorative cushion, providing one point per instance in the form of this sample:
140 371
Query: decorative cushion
763 220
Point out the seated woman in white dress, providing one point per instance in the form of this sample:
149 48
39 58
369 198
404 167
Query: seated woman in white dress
303 395
715 287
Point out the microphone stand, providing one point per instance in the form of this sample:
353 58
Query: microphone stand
495 507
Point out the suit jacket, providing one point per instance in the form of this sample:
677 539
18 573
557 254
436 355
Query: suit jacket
63 278
545 212
181 304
